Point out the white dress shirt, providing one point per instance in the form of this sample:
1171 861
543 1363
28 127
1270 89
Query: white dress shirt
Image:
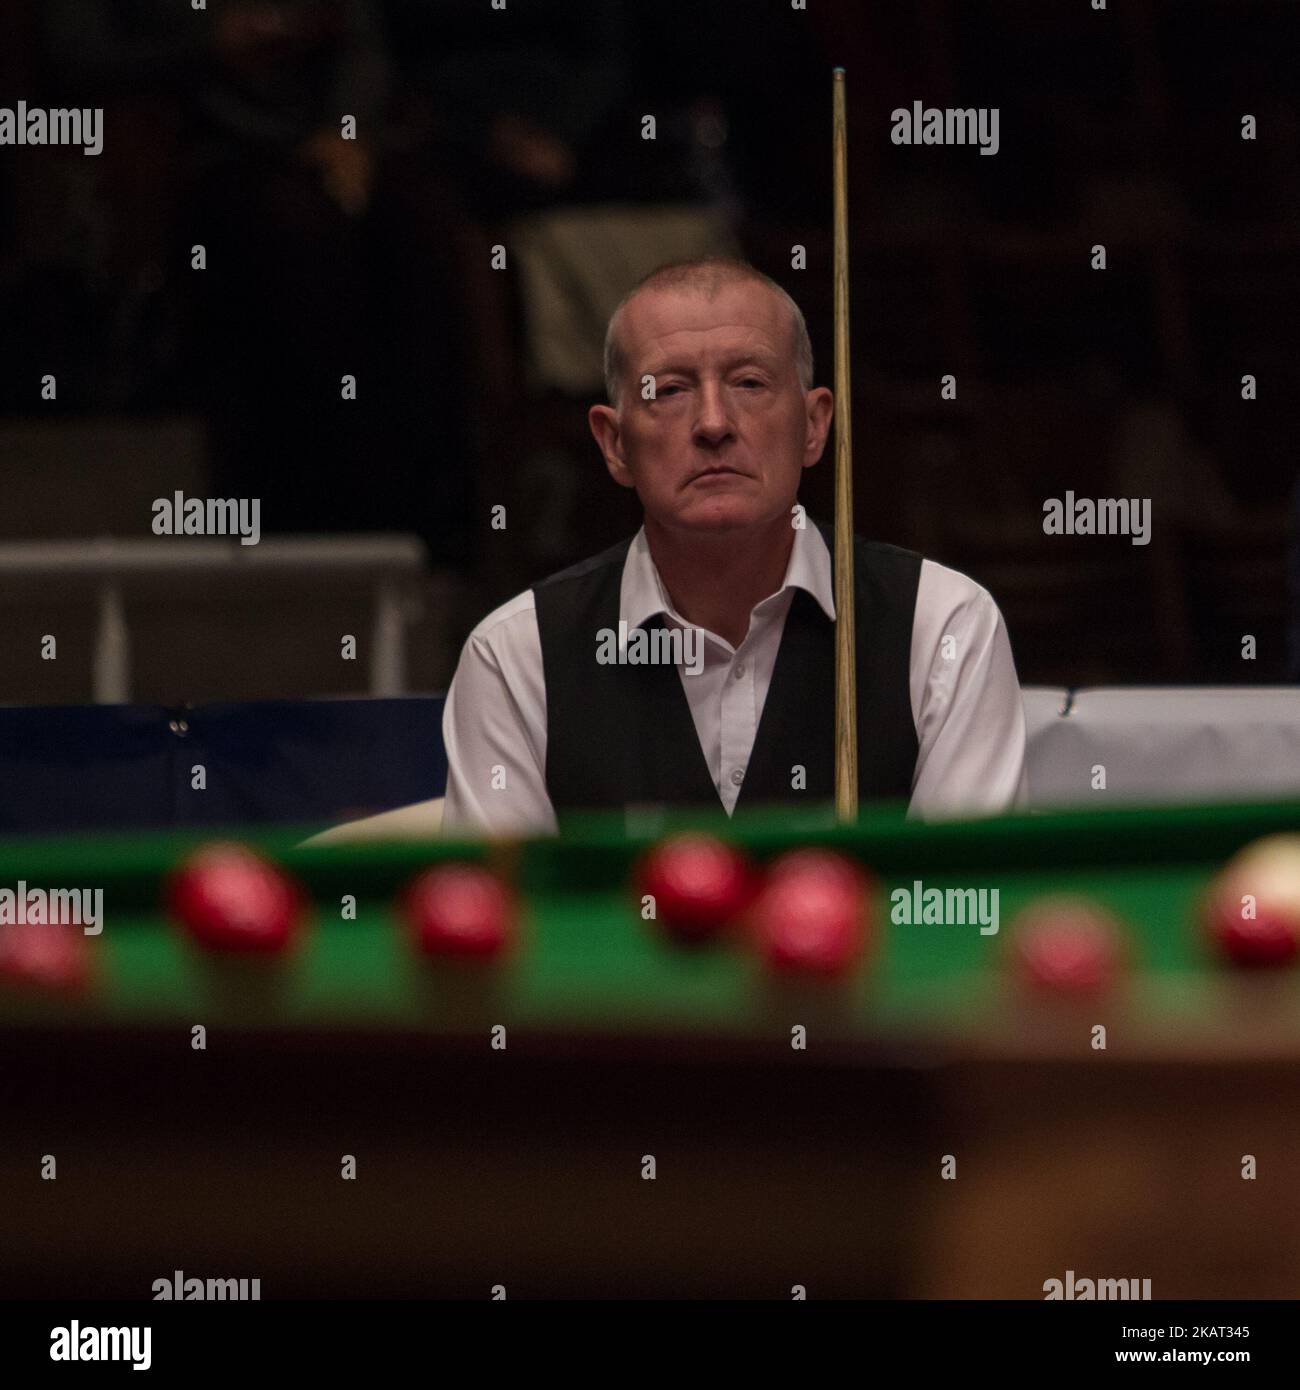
970 723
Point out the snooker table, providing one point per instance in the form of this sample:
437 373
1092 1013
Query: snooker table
523 1169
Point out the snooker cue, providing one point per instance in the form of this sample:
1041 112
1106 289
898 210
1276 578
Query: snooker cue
846 697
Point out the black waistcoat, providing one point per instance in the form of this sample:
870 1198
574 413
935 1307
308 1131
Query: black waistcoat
619 735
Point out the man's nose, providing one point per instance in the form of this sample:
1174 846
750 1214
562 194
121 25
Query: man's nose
713 422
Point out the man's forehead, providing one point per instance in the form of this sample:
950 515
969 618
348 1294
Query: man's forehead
745 312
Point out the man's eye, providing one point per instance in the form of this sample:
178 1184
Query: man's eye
667 390
751 381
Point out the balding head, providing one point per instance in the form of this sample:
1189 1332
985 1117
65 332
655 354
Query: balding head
706 277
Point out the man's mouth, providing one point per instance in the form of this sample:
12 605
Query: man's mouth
720 471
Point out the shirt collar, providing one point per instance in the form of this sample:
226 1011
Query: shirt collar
642 595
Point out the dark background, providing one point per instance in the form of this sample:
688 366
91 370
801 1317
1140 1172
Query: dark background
1120 127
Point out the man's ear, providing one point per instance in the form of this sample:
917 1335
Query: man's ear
820 406
603 420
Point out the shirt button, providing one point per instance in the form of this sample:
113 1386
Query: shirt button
737 776
740 669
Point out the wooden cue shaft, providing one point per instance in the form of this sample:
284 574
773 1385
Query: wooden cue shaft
846 696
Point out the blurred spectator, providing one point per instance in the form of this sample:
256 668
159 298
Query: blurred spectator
513 100
262 75
305 280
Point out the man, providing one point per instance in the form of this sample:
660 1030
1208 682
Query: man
712 418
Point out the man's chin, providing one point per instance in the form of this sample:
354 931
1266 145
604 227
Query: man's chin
718 515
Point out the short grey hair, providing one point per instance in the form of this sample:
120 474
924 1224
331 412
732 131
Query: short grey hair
707 275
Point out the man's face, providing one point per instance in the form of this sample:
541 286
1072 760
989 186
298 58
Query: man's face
724 441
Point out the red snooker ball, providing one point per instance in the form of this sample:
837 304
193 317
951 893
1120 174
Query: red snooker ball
1067 944
459 910
44 955
699 884
229 898
1252 910
812 914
